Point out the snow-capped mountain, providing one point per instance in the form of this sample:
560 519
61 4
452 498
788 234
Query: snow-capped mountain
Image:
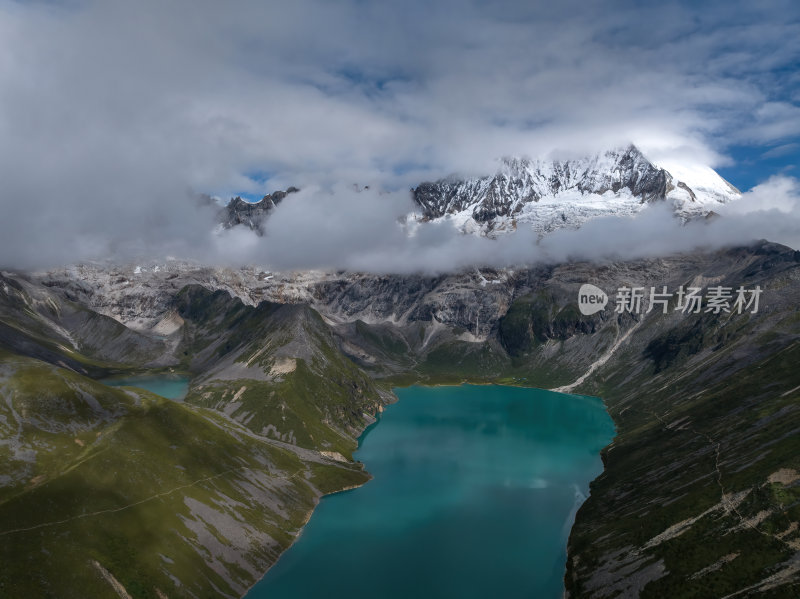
547 195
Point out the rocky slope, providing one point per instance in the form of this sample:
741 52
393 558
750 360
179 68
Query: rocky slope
548 195
251 214
107 492
121 493
700 495
542 194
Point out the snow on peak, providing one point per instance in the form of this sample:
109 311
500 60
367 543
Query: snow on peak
551 194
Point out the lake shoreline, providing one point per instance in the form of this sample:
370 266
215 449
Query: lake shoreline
596 406
317 501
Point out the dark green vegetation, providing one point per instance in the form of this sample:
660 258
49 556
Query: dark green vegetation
150 494
701 492
292 383
107 491
535 318
118 489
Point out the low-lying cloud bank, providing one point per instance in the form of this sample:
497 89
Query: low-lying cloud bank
360 231
368 231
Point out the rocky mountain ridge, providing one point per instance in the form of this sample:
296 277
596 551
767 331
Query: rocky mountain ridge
701 490
251 214
551 194
544 195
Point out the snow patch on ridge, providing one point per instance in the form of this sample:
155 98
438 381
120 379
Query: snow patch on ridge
546 195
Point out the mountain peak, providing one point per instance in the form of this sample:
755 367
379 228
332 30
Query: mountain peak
552 194
251 214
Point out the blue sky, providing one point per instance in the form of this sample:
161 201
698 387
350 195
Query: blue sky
111 111
751 165
713 82
395 92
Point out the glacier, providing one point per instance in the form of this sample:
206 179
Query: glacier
546 195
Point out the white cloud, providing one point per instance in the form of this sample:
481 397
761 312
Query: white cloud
346 229
111 111
782 150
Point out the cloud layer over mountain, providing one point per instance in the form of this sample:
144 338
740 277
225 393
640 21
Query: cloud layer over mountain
112 113
318 229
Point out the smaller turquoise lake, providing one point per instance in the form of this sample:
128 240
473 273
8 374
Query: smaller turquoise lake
474 493
171 386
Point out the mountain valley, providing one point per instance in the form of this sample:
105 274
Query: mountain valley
287 369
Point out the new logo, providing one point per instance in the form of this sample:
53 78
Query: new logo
591 299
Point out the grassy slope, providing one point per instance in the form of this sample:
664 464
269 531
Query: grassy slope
157 479
706 409
291 382
678 456
661 470
47 415
166 498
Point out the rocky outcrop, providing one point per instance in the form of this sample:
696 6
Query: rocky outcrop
548 195
705 403
252 214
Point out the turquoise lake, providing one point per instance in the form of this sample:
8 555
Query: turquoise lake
169 386
475 490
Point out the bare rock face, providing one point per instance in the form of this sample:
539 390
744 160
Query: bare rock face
552 194
705 404
252 214
543 195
